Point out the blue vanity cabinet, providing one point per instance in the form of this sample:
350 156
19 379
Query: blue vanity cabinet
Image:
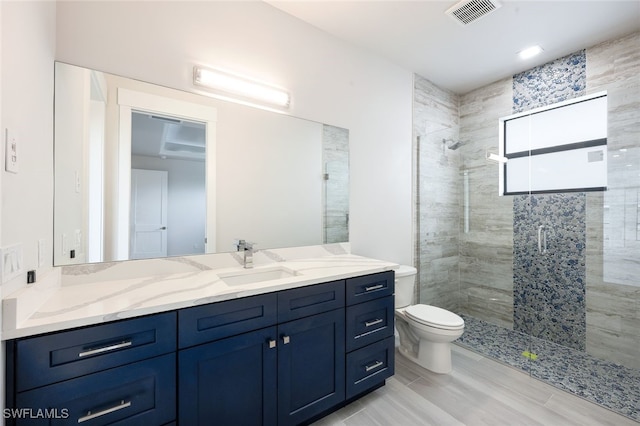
272 359
227 365
281 358
231 381
311 366
370 341
121 372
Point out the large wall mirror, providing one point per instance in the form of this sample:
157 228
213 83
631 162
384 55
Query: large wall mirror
144 171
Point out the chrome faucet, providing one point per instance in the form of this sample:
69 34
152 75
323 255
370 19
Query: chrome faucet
247 248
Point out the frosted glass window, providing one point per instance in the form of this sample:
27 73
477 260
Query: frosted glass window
558 148
557 171
579 122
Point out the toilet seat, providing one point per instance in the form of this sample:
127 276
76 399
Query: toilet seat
433 316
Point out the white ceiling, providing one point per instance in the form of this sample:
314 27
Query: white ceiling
418 36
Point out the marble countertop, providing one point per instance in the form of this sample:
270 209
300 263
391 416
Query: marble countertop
56 307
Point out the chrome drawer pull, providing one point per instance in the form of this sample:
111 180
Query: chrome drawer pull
91 416
373 366
120 345
374 287
374 322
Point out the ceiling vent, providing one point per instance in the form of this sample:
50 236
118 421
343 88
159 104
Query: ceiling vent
468 11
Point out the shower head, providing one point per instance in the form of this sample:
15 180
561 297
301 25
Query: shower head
451 144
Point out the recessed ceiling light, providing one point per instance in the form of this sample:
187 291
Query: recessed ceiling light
530 52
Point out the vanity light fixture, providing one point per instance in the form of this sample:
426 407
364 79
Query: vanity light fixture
530 52
240 87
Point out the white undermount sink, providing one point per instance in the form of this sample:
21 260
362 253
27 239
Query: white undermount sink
258 275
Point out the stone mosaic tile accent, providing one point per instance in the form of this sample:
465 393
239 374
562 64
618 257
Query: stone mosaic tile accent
549 288
605 383
555 81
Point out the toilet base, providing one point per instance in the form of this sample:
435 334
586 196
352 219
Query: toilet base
435 357
428 347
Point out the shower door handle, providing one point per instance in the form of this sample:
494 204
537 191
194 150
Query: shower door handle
542 239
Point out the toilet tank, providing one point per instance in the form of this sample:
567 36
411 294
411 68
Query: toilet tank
405 282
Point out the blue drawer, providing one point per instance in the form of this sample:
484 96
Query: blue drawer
369 322
314 299
142 393
370 366
60 356
216 321
369 287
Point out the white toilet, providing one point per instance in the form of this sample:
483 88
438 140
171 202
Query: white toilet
425 331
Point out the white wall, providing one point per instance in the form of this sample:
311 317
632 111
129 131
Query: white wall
27 33
330 82
28 47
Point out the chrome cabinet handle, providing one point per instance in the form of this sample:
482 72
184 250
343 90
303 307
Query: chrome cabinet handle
374 322
272 343
373 366
374 287
286 339
91 416
103 349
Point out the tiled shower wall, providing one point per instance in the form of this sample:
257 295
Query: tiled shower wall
435 125
486 250
613 281
485 253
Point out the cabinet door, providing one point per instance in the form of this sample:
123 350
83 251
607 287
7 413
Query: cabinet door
311 366
230 381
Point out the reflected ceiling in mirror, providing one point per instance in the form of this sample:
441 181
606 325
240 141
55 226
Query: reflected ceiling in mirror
146 171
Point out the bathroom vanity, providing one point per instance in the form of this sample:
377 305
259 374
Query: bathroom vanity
270 354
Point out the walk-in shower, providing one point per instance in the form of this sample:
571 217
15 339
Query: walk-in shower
568 311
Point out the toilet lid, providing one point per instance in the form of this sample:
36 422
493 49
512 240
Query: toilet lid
434 316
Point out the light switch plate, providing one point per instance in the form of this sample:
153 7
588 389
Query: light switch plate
11 258
11 152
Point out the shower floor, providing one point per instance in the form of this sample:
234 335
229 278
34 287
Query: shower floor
607 384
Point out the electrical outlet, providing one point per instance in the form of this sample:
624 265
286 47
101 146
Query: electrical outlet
11 152
11 262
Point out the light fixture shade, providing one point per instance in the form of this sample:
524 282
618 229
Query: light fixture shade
240 87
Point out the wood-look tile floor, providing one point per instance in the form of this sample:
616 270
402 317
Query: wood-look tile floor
479 391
